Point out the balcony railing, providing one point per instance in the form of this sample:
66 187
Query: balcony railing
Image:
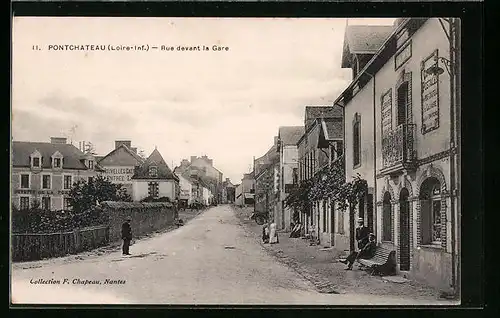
398 150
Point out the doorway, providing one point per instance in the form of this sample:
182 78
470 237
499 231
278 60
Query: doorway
404 230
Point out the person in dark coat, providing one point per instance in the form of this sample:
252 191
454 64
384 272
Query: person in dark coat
126 236
362 233
366 252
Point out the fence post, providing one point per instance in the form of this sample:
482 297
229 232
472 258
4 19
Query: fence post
76 236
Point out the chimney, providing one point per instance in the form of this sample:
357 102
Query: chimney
193 159
127 143
276 140
58 140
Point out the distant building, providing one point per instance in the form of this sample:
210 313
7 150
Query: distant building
239 195
228 192
248 188
120 164
43 173
203 167
288 164
153 178
186 196
264 167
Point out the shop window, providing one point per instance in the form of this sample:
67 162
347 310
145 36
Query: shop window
387 218
356 141
430 212
25 181
24 203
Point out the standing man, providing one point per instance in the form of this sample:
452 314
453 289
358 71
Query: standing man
126 236
362 233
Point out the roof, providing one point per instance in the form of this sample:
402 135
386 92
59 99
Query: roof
333 128
323 112
364 39
381 57
72 156
290 135
136 158
155 159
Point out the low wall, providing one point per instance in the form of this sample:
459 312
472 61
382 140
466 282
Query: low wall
146 217
32 247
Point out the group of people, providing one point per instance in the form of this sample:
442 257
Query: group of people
366 245
269 233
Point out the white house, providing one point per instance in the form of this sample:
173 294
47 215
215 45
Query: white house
155 179
186 190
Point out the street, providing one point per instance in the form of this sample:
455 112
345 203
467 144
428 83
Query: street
210 260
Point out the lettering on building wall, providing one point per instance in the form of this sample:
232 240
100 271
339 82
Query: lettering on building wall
41 192
402 55
386 109
430 94
120 175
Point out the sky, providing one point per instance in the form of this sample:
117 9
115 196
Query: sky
227 105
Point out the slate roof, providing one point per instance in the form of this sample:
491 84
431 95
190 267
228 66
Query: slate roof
323 111
333 128
364 39
290 135
155 159
72 156
136 158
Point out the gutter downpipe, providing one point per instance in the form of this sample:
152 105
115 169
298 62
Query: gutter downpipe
454 96
374 153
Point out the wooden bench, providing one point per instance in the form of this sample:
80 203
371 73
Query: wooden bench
383 262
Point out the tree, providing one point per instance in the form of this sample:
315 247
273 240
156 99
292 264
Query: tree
84 195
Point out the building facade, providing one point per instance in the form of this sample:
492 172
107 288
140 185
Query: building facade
401 136
317 148
43 173
288 136
120 164
186 197
264 168
154 179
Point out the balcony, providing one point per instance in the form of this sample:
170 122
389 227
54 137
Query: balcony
398 150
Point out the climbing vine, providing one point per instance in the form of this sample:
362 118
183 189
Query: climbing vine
329 183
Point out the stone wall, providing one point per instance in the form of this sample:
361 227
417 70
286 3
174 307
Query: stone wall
145 217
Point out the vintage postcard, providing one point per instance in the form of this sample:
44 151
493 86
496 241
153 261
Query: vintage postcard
235 161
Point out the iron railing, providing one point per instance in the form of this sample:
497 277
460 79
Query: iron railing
398 146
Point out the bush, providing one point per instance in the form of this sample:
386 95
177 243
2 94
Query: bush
160 199
36 220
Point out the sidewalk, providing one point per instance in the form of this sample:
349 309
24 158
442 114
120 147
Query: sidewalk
185 215
321 267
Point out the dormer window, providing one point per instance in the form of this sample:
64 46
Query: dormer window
36 159
57 160
91 164
153 171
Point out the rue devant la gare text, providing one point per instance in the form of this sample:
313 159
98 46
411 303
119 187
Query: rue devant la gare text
143 47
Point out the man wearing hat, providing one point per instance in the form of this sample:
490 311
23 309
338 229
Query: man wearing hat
126 236
362 234
366 252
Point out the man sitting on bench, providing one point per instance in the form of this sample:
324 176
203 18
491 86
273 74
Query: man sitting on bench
366 252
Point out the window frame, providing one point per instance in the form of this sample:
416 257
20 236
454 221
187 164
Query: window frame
42 185
21 180
356 136
70 181
24 197
155 169
42 203
33 162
